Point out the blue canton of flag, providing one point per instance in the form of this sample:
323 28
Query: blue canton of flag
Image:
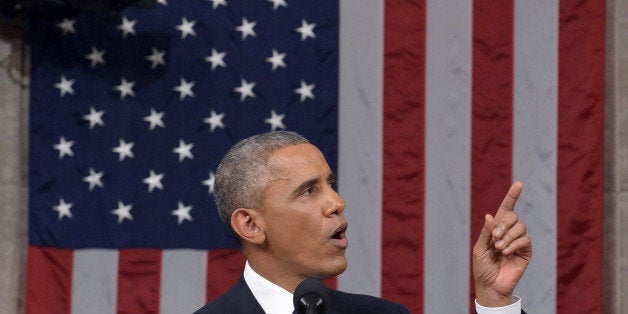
132 111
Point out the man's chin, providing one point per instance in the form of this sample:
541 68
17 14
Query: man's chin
338 268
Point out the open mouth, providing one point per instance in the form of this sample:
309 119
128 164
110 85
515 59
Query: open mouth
340 232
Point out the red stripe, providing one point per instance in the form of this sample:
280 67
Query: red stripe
48 280
139 273
403 181
224 268
580 160
491 152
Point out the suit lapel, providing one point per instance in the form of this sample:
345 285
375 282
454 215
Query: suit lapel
243 298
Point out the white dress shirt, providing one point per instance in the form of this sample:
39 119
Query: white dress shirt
277 300
273 298
514 308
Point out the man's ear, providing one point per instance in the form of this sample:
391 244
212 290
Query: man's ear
249 225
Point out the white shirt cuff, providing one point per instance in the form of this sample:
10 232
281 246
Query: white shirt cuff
514 308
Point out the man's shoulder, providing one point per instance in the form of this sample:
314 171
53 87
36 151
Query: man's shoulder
218 305
344 302
238 299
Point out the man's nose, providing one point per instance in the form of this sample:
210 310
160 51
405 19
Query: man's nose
335 204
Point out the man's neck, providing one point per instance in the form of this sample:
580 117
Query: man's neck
269 271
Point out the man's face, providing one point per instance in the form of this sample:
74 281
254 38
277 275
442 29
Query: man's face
303 214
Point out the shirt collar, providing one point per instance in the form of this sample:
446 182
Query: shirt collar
273 298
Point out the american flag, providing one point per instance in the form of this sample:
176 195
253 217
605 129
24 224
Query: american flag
131 112
429 110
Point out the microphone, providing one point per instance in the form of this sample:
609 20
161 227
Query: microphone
311 297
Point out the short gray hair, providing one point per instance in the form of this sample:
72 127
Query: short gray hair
243 172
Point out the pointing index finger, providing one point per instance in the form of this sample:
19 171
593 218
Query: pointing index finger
508 204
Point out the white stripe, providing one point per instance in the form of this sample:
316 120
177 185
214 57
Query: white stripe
447 156
360 141
94 281
183 280
535 150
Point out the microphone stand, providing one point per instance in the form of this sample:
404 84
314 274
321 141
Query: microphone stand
312 303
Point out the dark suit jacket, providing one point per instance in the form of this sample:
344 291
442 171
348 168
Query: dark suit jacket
240 299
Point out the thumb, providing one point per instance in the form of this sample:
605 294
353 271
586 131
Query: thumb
486 235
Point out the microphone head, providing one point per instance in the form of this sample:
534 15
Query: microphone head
311 296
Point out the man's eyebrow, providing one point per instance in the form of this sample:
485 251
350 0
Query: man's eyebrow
308 183
331 178
304 185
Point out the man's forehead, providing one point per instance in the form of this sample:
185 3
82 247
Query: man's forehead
300 157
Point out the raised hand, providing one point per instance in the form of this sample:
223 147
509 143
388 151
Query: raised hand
501 254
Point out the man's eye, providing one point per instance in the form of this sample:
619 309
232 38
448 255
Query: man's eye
309 191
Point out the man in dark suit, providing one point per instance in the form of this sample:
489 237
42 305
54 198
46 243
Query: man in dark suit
276 193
